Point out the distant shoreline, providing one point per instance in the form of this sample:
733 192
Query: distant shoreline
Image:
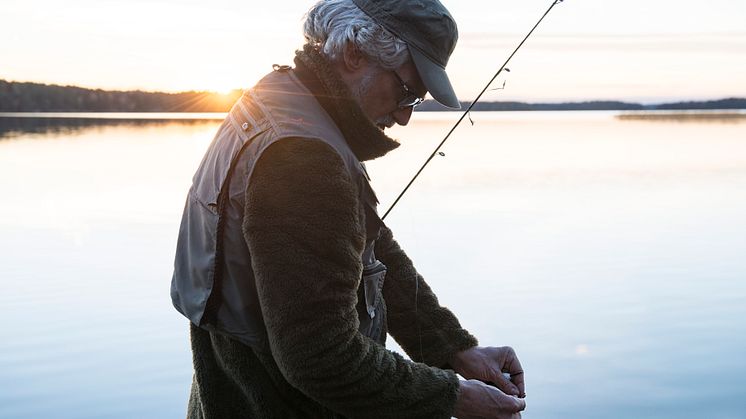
35 97
728 104
165 116
734 115
693 116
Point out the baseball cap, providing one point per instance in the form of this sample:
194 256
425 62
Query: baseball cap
430 33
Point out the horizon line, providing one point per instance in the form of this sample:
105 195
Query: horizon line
462 101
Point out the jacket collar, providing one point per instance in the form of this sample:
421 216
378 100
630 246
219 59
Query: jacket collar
362 135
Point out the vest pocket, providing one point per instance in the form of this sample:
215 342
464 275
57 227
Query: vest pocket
370 305
373 276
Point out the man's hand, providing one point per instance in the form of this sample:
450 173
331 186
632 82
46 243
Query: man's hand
478 400
488 364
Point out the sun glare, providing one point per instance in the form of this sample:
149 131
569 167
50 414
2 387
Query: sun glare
225 93
222 88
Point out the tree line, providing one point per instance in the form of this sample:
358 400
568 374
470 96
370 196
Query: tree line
724 104
36 97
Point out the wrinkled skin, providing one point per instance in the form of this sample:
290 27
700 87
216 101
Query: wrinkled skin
479 400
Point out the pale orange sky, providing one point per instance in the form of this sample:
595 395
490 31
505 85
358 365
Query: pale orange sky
632 50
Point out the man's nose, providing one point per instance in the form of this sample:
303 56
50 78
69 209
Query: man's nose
402 115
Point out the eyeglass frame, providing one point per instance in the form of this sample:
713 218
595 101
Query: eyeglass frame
411 99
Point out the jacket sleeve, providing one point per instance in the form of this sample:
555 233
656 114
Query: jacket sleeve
302 225
429 333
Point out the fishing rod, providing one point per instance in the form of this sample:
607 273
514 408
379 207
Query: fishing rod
479 96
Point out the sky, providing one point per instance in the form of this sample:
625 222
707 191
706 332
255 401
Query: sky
635 50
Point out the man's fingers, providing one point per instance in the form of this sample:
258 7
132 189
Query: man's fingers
517 380
503 383
520 405
496 403
512 404
514 368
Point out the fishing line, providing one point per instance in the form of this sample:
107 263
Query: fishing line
438 152
466 112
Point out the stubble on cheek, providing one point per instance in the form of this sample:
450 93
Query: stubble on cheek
361 96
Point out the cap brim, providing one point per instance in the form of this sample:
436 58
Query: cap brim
435 79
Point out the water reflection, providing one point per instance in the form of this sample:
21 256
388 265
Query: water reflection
609 253
15 126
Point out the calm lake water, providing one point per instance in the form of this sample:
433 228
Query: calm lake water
609 253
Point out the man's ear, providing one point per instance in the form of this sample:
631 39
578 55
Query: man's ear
354 60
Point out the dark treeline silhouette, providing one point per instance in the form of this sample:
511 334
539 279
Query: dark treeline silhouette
35 97
430 105
731 103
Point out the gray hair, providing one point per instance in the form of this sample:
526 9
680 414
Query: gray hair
332 25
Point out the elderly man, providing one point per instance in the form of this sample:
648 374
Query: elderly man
290 279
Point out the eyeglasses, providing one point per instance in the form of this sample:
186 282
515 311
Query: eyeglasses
410 99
